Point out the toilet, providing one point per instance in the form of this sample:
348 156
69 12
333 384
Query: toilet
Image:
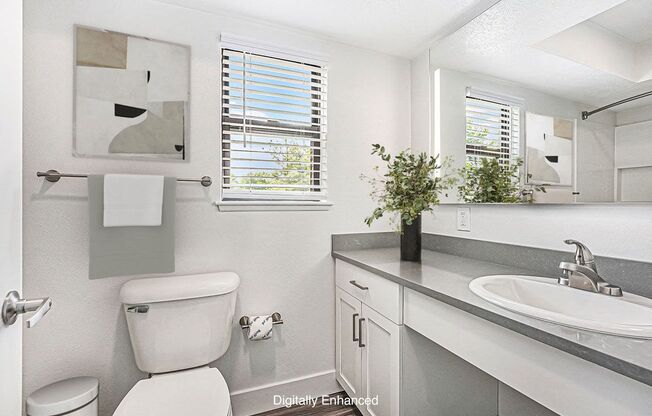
178 325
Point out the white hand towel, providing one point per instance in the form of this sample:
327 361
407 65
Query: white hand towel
133 200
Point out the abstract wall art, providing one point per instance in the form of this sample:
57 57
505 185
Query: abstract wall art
131 96
550 149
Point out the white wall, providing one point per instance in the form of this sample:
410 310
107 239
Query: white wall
283 258
634 115
610 230
634 154
421 91
620 231
644 60
595 137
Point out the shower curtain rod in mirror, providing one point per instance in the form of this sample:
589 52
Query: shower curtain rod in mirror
587 114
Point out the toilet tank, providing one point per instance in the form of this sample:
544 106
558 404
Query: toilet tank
179 322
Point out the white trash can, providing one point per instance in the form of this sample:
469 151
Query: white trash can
76 396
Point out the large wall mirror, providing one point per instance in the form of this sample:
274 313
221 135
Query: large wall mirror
515 94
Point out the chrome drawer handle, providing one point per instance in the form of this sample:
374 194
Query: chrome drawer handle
358 285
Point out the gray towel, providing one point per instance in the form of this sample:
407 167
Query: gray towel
126 251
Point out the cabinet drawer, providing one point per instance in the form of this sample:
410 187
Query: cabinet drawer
377 292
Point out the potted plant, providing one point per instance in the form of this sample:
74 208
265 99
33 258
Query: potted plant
489 181
410 186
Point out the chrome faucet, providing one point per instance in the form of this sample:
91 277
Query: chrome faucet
583 274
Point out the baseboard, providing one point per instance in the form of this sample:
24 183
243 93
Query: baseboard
247 402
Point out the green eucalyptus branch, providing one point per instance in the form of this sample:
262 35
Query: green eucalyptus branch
410 186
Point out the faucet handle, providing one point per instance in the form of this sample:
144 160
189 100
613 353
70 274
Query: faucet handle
583 255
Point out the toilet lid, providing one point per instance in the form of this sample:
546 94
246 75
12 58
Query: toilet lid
62 397
197 392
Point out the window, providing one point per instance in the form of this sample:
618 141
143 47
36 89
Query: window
273 128
492 130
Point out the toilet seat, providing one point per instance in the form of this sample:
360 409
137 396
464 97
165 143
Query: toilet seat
197 392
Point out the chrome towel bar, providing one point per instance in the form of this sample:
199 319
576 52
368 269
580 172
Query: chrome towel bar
54 176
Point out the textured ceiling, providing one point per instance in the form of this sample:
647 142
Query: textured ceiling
631 19
499 43
396 27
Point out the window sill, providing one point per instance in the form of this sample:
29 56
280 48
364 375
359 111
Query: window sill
243 206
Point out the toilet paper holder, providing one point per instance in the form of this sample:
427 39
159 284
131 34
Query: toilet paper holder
276 320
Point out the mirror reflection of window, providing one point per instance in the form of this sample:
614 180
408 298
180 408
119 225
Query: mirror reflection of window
492 131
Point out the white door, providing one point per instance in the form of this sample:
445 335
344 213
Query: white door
11 108
381 358
348 357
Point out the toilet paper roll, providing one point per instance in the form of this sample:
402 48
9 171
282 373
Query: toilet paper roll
260 327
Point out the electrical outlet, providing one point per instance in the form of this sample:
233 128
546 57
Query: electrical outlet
464 219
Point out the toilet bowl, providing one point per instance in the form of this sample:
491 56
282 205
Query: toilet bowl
177 326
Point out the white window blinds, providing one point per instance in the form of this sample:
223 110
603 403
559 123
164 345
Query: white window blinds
492 131
273 128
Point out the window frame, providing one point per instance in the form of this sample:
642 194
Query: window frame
278 200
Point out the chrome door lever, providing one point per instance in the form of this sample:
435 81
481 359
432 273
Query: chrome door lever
13 306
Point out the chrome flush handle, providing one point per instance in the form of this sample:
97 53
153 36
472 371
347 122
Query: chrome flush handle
138 309
13 306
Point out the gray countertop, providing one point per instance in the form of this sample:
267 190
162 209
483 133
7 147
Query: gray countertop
446 277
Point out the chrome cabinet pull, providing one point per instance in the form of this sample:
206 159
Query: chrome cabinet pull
360 344
355 315
13 306
358 285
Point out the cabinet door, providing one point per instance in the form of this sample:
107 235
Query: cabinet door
348 356
380 363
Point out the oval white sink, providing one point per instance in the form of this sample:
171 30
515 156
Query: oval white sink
542 298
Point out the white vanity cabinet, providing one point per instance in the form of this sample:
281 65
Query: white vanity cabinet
348 352
369 317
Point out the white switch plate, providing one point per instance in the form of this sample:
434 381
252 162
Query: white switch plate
464 219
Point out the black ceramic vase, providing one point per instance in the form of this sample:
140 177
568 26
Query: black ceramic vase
411 240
